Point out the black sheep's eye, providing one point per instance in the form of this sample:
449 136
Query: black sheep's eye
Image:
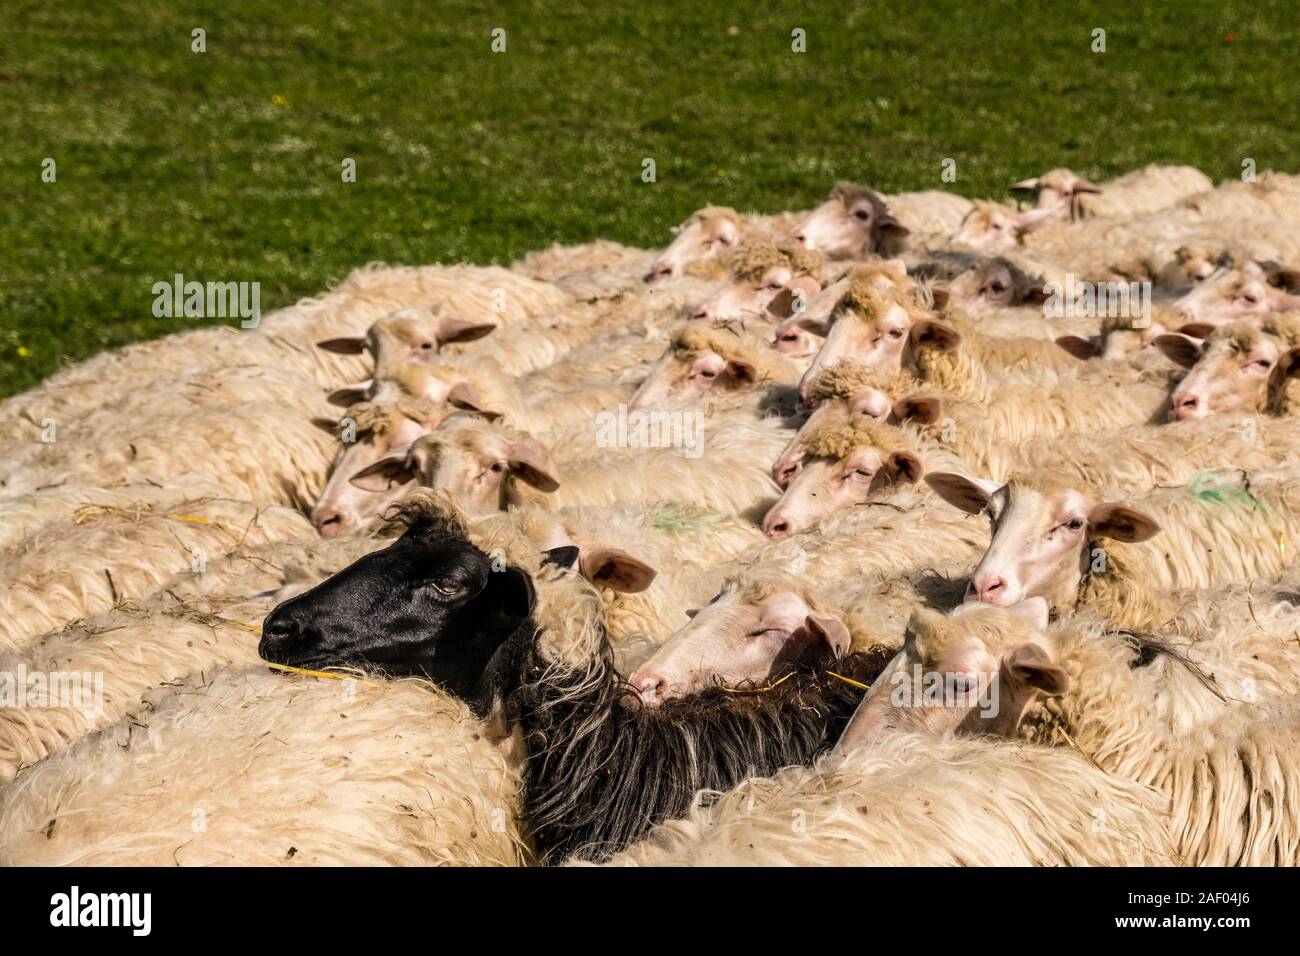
448 586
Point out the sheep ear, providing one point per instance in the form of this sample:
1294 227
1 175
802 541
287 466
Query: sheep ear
1033 218
1282 277
1180 349
782 305
526 464
562 557
905 467
349 396
460 330
940 296
326 424
1032 665
1196 330
1025 186
1031 293
934 334
691 612
741 371
921 410
830 631
1079 347
1121 523
616 570
463 397
1288 366
1033 610
817 327
347 345
961 491
889 233
385 473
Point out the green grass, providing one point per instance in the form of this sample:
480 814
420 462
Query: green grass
226 165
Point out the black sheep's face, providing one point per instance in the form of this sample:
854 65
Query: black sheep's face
429 605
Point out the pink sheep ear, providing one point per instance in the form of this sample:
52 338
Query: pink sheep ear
818 327
691 612
741 372
1080 347
384 474
1025 186
347 345
460 330
1196 330
1031 293
1180 349
616 570
327 425
1033 218
463 397
937 335
905 467
526 464
888 233
1081 185
961 491
1121 523
347 397
1033 610
1285 278
920 410
1030 664
940 296
831 632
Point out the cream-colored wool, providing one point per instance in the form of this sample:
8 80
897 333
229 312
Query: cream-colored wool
103 558
262 453
749 260
732 341
249 768
1142 191
915 801
1227 768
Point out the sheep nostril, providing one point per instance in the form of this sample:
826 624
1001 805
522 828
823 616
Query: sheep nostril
330 524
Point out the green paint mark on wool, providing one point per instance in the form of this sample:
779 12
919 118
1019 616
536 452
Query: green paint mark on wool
684 519
1222 494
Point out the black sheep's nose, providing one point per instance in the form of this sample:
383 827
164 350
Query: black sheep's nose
279 635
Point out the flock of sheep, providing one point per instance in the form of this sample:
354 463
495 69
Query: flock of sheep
876 557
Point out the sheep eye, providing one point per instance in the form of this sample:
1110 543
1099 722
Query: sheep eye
895 333
707 373
426 345
1262 363
862 214
497 467
1074 524
447 586
860 473
998 287
1249 299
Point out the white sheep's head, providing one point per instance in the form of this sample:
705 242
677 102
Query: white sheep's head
843 464
740 638
853 222
707 235
976 670
1041 530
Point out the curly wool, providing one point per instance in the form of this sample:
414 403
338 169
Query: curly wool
748 261
722 339
843 380
837 440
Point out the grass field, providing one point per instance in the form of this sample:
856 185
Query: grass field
226 165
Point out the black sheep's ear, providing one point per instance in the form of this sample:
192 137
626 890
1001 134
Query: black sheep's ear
564 557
